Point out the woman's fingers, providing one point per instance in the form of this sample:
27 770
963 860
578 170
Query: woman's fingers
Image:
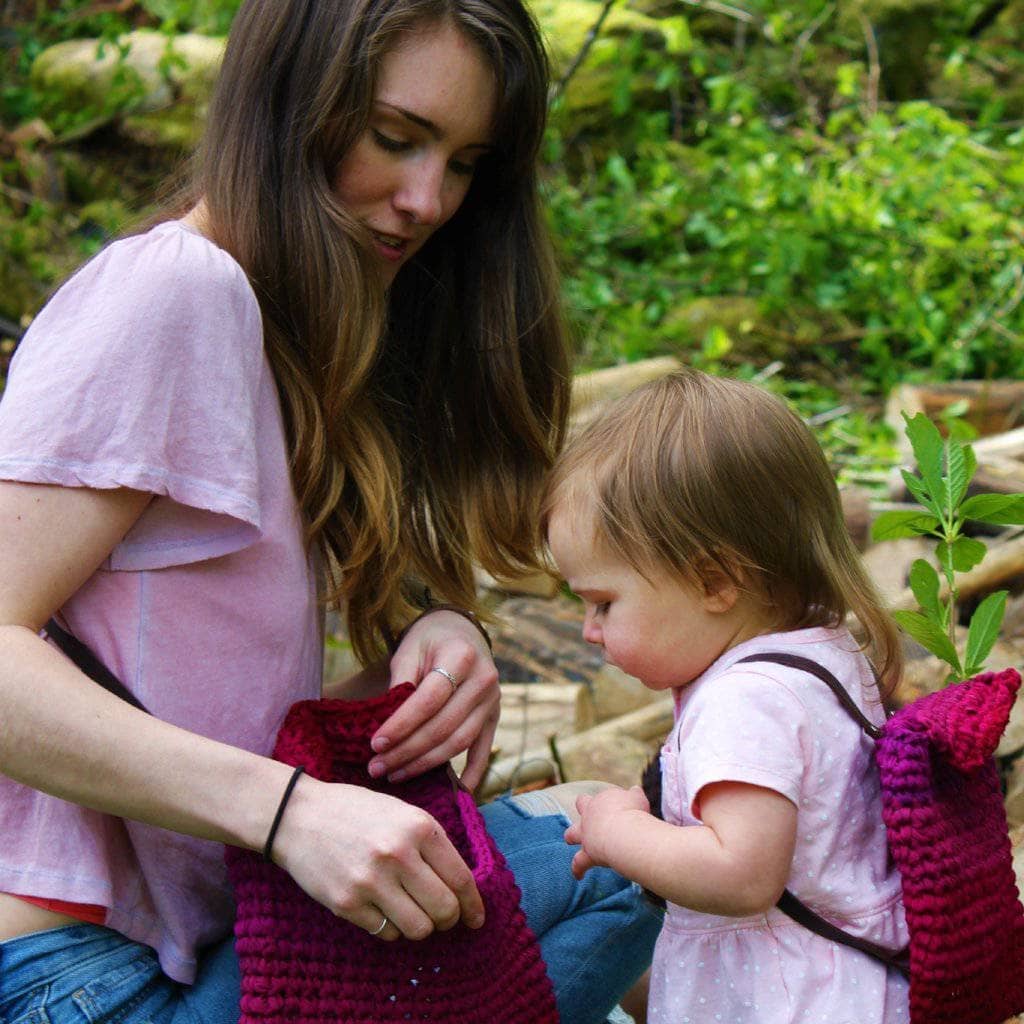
366 856
454 708
434 893
478 756
434 693
456 727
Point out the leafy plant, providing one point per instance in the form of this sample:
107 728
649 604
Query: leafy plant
945 468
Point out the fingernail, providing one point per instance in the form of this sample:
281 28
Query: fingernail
398 776
376 769
476 921
379 744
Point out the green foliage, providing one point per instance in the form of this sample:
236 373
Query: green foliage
879 237
723 158
945 467
905 225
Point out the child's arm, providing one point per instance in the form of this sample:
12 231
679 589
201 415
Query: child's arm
736 863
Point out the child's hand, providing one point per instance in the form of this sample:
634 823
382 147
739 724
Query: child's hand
600 816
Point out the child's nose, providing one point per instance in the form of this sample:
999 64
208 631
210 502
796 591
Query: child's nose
591 629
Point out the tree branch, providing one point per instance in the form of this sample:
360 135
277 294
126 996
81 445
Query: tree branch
874 65
580 57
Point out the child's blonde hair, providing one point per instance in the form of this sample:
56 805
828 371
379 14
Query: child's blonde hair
705 475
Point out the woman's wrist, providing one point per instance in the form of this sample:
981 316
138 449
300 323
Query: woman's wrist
464 612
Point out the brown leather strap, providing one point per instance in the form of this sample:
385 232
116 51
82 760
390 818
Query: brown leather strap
83 657
806 665
788 903
802 914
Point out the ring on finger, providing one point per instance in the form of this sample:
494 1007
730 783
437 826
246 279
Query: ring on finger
383 924
444 672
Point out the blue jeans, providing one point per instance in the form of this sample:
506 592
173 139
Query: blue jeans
596 937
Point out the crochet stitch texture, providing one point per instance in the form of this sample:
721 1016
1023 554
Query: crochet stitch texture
946 823
302 965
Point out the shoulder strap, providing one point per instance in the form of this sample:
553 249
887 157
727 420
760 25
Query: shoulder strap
80 654
802 914
790 904
806 665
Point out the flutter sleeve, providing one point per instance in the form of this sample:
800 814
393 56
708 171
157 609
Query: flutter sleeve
144 371
743 726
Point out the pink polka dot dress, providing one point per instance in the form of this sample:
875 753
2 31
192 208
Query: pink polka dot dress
776 727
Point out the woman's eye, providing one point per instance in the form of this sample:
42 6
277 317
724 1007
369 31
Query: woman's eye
388 143
461 167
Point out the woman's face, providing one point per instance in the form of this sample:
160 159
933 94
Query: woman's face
430 123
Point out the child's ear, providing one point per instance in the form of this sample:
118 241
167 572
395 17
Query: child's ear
719 591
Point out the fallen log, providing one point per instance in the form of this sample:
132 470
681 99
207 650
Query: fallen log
648 724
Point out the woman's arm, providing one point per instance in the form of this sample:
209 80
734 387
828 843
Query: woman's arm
361 854
735 864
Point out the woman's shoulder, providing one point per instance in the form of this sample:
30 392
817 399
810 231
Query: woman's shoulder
167 284
163 306
169 258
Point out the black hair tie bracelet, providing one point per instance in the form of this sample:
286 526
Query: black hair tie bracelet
280 812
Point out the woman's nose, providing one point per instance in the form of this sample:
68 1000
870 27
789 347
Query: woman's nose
420 195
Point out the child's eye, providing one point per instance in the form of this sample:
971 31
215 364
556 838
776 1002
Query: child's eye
386 142
602 606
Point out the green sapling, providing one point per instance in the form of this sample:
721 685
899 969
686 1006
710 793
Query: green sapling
945 468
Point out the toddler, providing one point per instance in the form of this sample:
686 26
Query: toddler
700 524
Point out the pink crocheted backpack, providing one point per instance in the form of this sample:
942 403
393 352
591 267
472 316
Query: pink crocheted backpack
302 965
948 835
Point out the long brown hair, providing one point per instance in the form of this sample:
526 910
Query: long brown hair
697 474
420 422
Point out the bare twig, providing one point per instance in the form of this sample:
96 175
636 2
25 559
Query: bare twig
739 37
18 194
874 65
802 42
580 57
729 11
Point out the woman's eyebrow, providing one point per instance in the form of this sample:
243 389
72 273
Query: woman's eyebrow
429 125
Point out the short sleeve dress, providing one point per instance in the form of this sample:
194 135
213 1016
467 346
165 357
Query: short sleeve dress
782 729
147 370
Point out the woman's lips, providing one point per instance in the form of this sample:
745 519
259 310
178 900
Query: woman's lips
391 247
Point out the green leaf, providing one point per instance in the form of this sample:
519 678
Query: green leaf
926 441
917 488
930 635
900 523
983 631
960 429
958 478
999 509
966 553
924 582
678 38
970 465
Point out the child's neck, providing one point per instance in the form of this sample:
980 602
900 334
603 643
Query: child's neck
748 619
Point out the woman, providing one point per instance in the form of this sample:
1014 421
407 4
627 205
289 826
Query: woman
343 369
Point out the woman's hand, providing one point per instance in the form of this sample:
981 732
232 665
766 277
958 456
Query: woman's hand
442 718
366 856
601 817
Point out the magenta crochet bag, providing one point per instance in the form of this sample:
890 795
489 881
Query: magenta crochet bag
948 835
946 823
302 965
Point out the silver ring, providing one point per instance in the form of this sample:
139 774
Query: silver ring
451 679
381 926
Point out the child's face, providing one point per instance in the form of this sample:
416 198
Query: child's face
663 630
